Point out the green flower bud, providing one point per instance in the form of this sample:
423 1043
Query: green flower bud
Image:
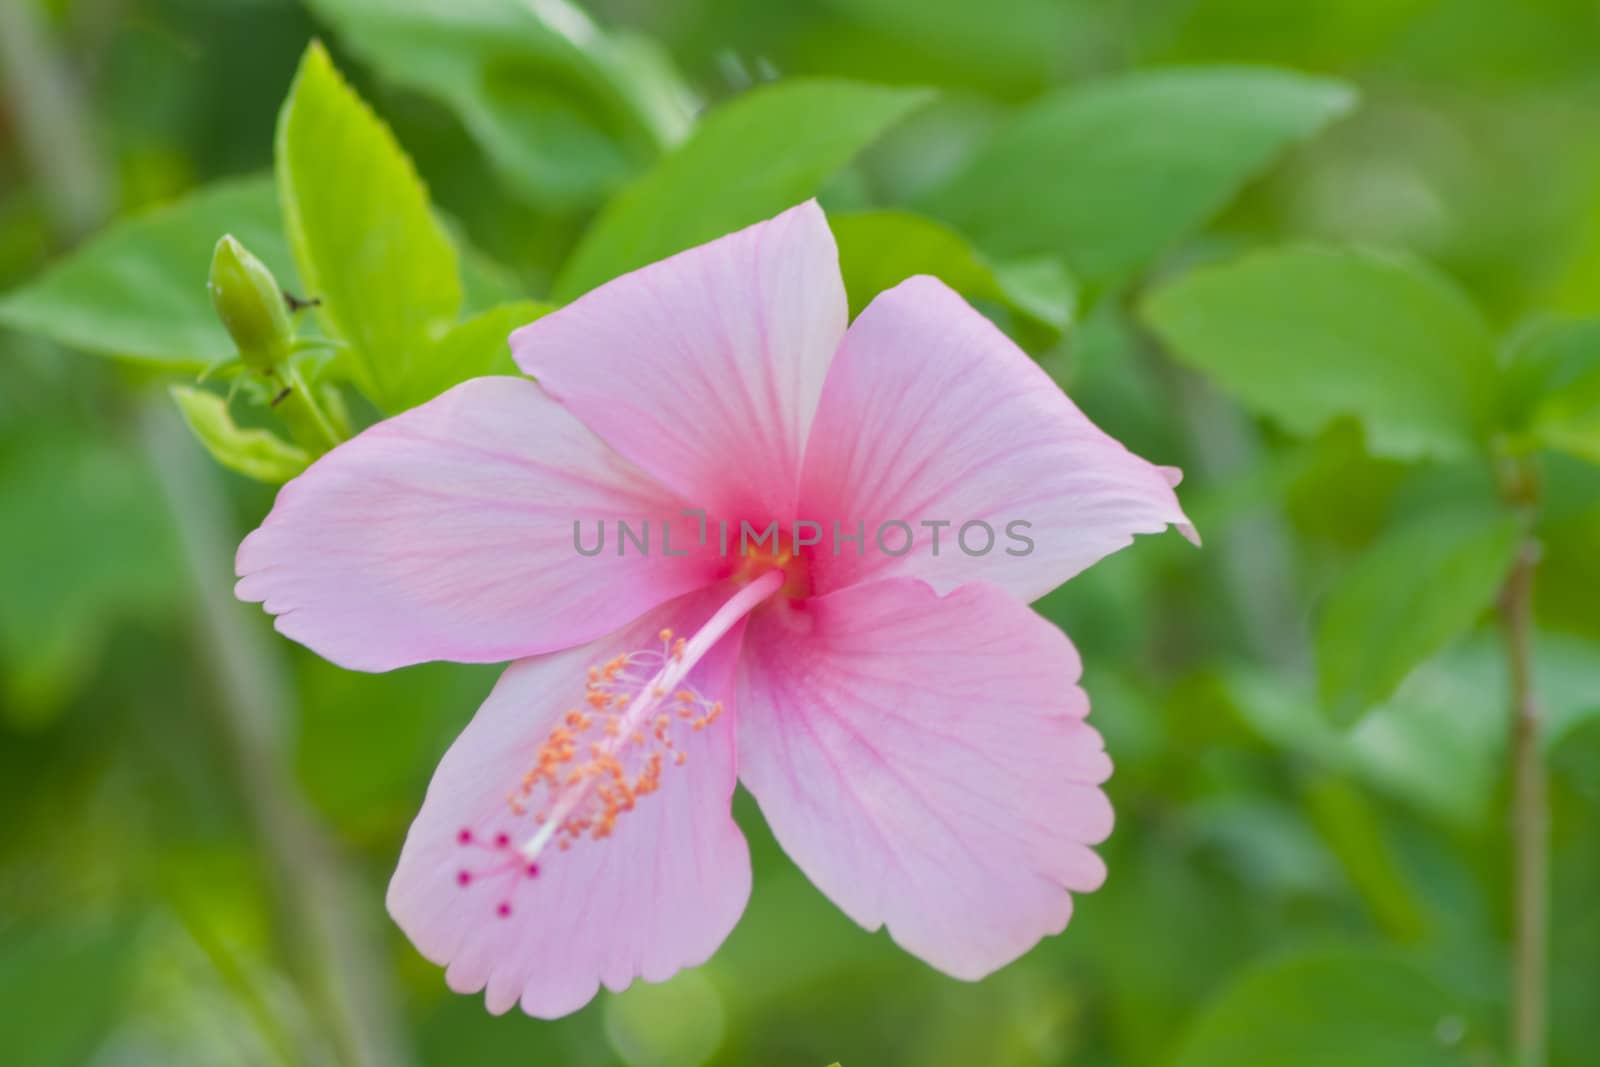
250 305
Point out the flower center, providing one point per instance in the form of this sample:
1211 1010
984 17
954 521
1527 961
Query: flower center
759 560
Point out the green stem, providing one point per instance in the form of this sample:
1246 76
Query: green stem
1530 816
305 417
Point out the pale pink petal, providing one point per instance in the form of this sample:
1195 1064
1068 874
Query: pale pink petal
704 368
925 761
932 415
447 533
658 895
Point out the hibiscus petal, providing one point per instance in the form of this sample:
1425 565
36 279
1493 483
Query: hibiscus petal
930 414
705 368
447 533
661 893
925 761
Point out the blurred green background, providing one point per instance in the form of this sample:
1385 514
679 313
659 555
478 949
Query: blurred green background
200 818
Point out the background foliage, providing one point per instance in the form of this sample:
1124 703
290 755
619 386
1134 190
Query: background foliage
1331 258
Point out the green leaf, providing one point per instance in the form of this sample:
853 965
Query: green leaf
1553 389
1003 48
61 983
473 349
1568 585
1418 589
880 249
1438 743
367 243
137 291
1351 826
1305 335
747 160
1575 756
1108 175
257 454
563 109
1331 1008
486 281
85 544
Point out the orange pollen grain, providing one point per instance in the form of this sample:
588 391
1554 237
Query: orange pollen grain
597 762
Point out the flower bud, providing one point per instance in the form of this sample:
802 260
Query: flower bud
250 305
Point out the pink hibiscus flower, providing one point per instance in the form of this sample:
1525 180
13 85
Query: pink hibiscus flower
913 732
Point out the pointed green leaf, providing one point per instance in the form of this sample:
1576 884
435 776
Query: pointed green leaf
749 159
1108 175
880 249
257 454
1305 335
1422 586
138 290
1553 389
563 109
367 243
476 347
